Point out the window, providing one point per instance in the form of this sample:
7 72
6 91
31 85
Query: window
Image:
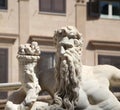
110 9
111 60
54 6
93 8
3 4
3 69
104 8
47 60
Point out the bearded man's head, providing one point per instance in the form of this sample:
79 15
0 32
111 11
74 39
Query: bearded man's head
67 38
69 44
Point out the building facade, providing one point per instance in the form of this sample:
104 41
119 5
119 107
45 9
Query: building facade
99 21
23 21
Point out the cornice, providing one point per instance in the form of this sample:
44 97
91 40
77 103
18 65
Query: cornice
42 40
8 37
104 44
46 43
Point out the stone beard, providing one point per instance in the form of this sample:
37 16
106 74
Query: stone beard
68 76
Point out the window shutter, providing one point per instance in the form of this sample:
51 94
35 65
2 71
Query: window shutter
45 5
94 8
59 6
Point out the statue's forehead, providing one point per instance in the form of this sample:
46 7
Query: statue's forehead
69 32
61 33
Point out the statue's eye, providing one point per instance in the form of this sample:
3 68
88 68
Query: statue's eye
65 47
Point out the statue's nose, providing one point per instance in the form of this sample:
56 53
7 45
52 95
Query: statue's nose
67 43
62 50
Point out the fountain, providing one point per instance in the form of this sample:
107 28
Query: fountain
77 87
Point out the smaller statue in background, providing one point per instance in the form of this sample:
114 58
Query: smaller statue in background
28 55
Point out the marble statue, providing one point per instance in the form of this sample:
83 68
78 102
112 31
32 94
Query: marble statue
78 86
73 86
23 99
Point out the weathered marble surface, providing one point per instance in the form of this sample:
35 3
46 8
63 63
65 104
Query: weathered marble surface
23 99
77 87
81 87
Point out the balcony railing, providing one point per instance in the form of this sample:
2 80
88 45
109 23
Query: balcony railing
6 87
9 86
